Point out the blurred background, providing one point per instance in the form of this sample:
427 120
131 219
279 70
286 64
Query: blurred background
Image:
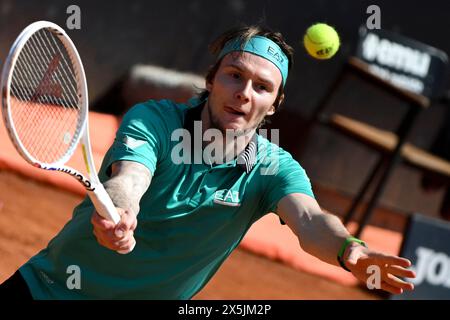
115 36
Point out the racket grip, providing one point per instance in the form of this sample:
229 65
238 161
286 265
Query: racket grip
105 207
103 204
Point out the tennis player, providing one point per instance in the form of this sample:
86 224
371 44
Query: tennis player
185 217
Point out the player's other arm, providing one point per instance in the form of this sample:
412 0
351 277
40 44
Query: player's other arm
128 183
322 235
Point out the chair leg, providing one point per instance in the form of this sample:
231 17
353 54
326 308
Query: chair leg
376 194
392 161
364 189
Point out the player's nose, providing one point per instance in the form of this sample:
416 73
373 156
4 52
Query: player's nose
244 91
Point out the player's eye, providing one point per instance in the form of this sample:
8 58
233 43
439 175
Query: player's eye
262 87
235 75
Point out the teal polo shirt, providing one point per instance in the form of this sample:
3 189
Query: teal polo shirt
190 220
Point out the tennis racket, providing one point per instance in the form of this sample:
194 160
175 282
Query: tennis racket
45 107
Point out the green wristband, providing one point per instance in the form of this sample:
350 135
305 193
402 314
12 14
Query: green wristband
344 246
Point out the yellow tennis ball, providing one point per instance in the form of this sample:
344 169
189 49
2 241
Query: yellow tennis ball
321 41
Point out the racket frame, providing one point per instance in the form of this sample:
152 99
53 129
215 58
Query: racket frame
94 188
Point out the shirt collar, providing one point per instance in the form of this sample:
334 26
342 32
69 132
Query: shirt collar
246 160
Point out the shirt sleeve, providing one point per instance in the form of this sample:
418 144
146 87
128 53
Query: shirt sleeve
141 136
287 176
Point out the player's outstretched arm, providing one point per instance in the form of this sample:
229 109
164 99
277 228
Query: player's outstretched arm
323 235
129 181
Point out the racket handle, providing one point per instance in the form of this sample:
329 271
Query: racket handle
103 204
105 207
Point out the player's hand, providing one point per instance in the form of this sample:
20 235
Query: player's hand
359 258
118 237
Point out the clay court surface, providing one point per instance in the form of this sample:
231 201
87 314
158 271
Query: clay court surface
31 213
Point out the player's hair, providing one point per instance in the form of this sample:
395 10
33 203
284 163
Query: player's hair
245 33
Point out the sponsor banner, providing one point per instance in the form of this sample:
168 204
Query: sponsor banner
404 62
427 245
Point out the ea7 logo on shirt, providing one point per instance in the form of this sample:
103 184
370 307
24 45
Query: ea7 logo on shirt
227 198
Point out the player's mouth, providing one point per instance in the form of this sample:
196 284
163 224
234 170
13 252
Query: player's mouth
234 111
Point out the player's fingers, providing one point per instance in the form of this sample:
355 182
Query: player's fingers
401 272
391 289
394 260
134 223
123 241
127 222
127 247
120 231
100 222
397 282
109 241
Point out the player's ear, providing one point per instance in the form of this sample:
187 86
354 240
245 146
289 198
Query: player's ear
280 101
208 85
276 105
271 110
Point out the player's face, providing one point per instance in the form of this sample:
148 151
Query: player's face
242 92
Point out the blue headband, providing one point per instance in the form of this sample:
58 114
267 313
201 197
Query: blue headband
263 47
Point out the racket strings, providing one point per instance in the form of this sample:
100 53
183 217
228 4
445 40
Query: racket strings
23 71
33 104
45 98
50 89
68 75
